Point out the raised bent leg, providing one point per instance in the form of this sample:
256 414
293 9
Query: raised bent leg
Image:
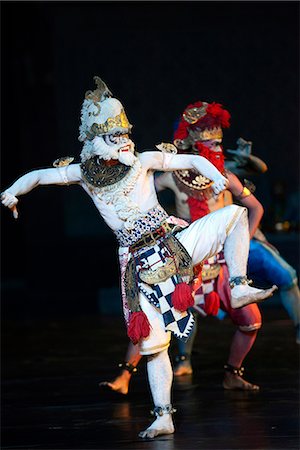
236 251
228 228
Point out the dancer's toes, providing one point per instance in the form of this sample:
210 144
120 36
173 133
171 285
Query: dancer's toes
148 434
115 386
155 430
239 384
162 425
234 382
151 433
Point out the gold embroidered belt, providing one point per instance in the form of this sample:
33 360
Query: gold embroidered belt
211 273
150 239
176 261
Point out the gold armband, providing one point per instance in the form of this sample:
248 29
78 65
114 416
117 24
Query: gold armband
245 193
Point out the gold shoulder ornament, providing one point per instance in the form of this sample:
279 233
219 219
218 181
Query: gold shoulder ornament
166 147
63 161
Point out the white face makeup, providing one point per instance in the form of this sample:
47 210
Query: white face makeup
119 142
116 146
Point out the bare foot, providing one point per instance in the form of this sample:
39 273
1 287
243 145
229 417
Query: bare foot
162 425
119 384
242 295
235 382
183 368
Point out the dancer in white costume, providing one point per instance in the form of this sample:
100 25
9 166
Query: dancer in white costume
152 244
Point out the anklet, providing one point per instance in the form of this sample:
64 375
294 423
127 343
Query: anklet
127 366
180 358
234 370
161 410
239 280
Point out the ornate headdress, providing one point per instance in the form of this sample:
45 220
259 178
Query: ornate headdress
201 121
102 114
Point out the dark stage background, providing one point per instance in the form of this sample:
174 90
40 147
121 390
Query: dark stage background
59 257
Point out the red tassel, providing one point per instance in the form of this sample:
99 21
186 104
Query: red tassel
139 327
212 303
182 297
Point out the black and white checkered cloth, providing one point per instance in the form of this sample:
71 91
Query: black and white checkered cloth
159 295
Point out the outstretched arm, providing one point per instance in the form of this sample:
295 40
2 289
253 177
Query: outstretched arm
255 208
62 175
169 162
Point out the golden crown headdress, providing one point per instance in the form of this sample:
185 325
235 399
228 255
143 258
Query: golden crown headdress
102 113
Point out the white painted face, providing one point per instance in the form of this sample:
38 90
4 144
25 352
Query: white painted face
119 142
115 146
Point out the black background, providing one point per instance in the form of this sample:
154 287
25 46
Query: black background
156 58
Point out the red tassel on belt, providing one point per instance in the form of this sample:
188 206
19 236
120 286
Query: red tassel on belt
139 326
182 297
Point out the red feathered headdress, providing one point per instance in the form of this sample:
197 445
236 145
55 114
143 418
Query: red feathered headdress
207 119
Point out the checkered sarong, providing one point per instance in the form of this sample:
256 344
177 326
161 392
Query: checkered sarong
159 295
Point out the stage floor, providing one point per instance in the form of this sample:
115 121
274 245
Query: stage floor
51 399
